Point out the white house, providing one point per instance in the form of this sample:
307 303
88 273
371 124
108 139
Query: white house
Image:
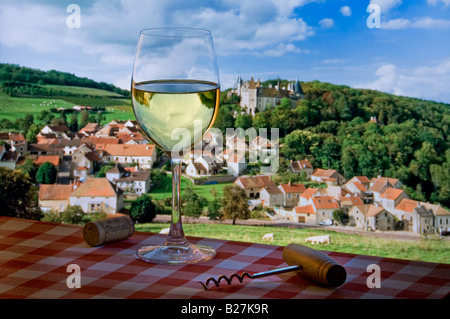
142 154
97 195
129 181
236 164
54 197
203 165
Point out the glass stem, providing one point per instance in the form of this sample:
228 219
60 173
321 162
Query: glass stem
176 233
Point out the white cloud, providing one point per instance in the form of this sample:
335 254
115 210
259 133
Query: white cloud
386 5
346 11
421 23
109 30
326 23
434 2
427 82
282 49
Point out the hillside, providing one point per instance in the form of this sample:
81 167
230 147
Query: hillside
25 91
360 132
23 81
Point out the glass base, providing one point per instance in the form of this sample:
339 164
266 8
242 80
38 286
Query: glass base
175 254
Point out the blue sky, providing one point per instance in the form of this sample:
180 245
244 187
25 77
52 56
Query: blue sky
325 40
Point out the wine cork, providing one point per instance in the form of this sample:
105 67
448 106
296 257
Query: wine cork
315 265
108 230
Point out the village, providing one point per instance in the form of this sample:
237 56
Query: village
369 204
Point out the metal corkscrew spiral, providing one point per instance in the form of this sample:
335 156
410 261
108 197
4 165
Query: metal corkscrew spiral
246 274
310 263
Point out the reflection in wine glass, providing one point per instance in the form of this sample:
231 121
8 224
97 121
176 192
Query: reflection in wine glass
175 94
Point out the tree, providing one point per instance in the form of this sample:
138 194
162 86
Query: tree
143 210
234 203
243 121
193 202
73 124
84 119
213 210
157 176
340 216
46 174
17 195
29 168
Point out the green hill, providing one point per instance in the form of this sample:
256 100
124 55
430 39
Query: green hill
26 91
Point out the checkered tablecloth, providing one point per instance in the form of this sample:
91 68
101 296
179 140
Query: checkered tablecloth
34 260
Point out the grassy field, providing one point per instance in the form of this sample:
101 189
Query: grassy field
117 108
430 250
165 190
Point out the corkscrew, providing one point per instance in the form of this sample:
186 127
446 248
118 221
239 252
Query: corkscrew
242 276
310 263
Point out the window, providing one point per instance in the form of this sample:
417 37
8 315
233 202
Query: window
94 207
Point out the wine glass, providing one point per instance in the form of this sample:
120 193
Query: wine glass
175 93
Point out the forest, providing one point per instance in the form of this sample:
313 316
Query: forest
16 80
360 132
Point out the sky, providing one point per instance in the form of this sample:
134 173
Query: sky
395 46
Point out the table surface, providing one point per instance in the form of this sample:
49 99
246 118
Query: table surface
34 260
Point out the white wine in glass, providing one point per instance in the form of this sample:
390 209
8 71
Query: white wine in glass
175 94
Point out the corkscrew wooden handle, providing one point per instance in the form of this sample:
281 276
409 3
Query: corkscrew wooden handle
316 265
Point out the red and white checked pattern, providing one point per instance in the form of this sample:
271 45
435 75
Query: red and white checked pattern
34 257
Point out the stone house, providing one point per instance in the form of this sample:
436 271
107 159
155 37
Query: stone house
305 214
328 175
303 166
371 217
324 206
271 196
291 193
415 216
253 185
391 197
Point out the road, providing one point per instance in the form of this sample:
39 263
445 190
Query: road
402 235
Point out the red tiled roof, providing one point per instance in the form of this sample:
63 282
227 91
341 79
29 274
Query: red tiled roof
255 181
407 205
374 210
41 159
308 193
325 202
379 184
273 190
392 193
293 188
308 209
129 149
360 186
351 200
324 173
55 192
95 187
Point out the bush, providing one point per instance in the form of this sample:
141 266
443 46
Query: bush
143 210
